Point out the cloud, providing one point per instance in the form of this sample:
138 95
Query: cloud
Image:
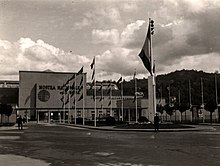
105 36
26 54
198 62
113 61
131 34
83 23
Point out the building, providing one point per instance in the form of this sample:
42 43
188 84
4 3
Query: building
48 94
9 95
63 96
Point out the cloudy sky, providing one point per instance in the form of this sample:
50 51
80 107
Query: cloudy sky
63 35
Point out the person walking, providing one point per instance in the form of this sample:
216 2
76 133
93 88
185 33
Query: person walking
20 123
156 122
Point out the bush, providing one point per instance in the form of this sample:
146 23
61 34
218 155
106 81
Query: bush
110 121
79 120
143 119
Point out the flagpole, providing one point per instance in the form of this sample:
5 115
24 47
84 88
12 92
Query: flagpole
102 96
111 100
75 99
190 97
152 64
122 104
95 93
69 105
202 93
83 102
135 91
64 106
216 88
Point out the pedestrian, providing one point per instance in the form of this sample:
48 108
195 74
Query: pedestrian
20 122
156 122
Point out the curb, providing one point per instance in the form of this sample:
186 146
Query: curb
194 128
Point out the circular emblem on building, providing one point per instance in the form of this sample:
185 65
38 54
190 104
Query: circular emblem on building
43 95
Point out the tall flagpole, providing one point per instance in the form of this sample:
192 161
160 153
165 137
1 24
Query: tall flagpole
75 99
152 65
122 101
69 104
102 96
111 113
190 97
202 93
216 88
64 106
83 101
135 91
95 94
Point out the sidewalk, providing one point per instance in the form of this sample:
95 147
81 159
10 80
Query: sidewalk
15 127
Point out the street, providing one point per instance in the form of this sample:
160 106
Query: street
59 145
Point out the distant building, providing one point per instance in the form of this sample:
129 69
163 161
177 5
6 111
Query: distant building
9 95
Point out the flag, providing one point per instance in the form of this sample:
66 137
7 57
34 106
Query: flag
74 101
80 88
62 98
67 101
134 74
109 84
93 74
100 98
72 93
109 103
72 77
73 85
81 97
66 89
109 90
145 51
93 63
93 96
80 71
119 81
100 88
134 99
81 81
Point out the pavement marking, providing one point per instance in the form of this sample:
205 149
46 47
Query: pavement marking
11 132
8 160
9 137
104 154
210 132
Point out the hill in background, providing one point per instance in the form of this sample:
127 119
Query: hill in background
179 82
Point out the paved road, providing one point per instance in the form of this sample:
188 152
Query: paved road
65 146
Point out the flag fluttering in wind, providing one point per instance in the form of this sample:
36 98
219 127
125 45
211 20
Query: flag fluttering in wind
81 81
145 53
134 98
134 74
93 74
93 63
81 97
109 103
119 80
80 71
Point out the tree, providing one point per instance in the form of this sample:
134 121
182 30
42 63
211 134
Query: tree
3 108
160 108
182 108
169 110
8 111
210 106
